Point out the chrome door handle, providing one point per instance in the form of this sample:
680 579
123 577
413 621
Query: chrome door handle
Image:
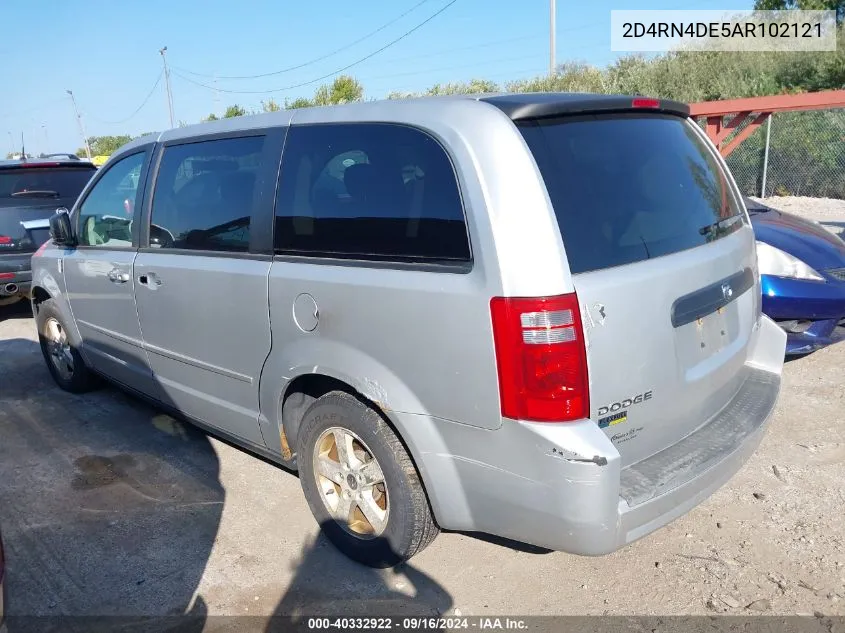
117 276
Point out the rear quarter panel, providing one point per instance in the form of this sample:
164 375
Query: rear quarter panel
420 342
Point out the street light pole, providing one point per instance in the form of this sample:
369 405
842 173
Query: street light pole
162 51
81 126
552 22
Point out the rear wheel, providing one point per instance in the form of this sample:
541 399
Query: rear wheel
361 484
63 360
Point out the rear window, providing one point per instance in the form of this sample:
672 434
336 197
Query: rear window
23 184
626 188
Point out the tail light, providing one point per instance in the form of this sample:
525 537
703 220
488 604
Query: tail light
541 358
5 239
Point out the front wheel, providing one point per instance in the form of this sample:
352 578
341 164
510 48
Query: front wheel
361 484
63 360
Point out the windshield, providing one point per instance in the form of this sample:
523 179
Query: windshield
58 182
626 188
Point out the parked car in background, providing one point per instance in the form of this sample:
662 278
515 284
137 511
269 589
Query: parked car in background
803 277
30 192
535 316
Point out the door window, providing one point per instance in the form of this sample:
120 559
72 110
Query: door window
105 216
204 195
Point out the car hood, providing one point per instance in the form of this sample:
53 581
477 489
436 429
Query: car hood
808 241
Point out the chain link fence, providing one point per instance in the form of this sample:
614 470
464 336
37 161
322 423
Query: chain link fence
806 156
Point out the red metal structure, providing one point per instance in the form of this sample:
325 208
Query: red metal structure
760 108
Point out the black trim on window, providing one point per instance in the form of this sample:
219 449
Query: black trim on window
199 253
453 256
139 197
260 246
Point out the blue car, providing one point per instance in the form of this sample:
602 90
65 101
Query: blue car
802 265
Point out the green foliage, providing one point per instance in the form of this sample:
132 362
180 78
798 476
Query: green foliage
299 102
211 117
234 111
804 5
104 145
344 89
270 106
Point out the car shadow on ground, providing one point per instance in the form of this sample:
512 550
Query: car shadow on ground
17 311
109 507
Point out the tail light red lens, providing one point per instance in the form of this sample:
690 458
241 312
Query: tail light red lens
7 275
5 239
541 358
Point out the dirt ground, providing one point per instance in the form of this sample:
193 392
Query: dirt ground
110 507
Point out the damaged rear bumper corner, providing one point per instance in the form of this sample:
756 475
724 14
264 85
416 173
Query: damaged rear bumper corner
562 487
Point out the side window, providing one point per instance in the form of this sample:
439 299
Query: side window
204 194
105 216
369 191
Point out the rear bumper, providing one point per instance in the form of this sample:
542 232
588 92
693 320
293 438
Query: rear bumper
560 486
15 274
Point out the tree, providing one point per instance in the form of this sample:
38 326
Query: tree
299 102
211 117
104 145
270 106
804 5
234 111
344 89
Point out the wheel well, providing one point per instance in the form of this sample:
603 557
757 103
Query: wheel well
39 296
300 394
304 390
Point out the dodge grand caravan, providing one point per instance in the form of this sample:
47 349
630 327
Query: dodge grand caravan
536 316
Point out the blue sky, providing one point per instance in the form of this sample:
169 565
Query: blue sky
43 52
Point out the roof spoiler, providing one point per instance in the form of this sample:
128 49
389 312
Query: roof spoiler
543 105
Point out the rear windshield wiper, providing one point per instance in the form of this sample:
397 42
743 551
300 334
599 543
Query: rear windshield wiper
36 193
719 226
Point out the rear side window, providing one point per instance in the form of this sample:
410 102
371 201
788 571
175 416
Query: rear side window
204 195
626 188
369 191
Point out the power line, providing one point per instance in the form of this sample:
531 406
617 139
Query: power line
311 61
445 69
326 76
138 109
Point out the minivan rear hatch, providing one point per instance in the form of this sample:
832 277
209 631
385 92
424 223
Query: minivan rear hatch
664 265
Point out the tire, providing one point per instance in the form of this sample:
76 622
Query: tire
404 525
79 379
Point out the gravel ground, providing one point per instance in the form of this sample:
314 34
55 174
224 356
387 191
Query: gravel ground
827 211
109 506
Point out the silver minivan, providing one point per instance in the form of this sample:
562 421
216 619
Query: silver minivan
536 316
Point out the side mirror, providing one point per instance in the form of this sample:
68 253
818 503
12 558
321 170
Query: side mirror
61 230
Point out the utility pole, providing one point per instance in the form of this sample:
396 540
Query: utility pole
81 126
162 51
46 139
552 22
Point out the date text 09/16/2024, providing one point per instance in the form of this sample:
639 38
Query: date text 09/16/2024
417 623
